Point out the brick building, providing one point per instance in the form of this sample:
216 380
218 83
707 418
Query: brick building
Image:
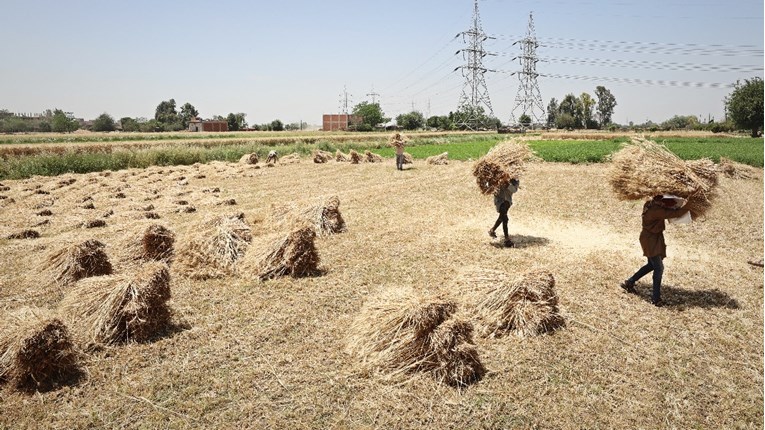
198 124
339 121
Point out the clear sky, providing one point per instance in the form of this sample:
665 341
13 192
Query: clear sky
291 59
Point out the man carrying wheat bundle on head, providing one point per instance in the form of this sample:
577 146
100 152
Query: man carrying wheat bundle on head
397 141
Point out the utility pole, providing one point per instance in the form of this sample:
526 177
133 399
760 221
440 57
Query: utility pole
474 101
373 94
528 99
344 100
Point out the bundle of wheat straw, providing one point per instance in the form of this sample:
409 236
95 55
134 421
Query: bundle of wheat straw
526 306
249 159
320 156
293 255
339 156
214 248
355 157
438 160
324 216
644 169
408 158
154 244
24 234
371 157
291 158
502 163
402 332
75 261
36 349
734 170
120 308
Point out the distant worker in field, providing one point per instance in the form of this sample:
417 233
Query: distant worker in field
397 141
503 199
272 157
655 211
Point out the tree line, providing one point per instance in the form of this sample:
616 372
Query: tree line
743 108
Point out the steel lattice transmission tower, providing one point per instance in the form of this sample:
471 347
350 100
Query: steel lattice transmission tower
528 99
474 105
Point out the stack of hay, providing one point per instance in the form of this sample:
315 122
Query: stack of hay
402 332
120 308
372 157
249 159
734 170
644 169
339 156
291 158
154 244
502 163
36 350
355 157
408 158
214 248
324 216
293 255
73 262
320 156
439 160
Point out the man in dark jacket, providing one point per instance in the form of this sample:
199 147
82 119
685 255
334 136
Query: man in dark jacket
655 211
503 199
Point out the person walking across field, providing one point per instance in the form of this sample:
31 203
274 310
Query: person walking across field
503 199
397 141
655 211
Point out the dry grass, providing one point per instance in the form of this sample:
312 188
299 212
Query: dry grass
292 255
271 355
75 261
213 250
324 216
321 157
154 243
408 159
119 308
36 350
340 157
734 170
249 159
644 169
355 157
438 160
371 157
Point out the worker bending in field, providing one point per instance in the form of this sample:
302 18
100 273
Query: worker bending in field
272 157
503 199
655 211
397 141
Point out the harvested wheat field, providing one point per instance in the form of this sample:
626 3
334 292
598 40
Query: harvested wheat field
245 353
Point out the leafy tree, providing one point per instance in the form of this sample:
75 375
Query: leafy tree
277 125
468 117
680 122
565 120
586 103
552 112
443 122
571 106
524 120
166 113
188 112
150 126
411 121
370 113
62 123
236 121
606 105
745 105
129 124
104 122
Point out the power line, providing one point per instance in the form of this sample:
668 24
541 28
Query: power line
663 83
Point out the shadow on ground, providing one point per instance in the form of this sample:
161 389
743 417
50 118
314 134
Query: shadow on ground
681 298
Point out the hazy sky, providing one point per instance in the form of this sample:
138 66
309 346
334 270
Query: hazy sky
291 59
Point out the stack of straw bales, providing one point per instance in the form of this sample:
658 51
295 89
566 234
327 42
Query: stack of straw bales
154 244
76 261
734 170
291 158
324 216
371 157
293 255
214 248
36 349
339 156
408 158
119 308
502 163
644 169
355 157
320 156
249 159
402 332
438 160
524 306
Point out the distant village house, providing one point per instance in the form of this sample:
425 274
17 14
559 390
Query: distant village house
199 124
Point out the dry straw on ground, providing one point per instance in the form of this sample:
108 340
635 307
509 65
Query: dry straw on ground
734 170
339 156
249 159
213 249
371 157
76 261
24 234
292 255
502 163
291 158
438 160
644 169
324 216
320 156
119 308
408 158
355 157
36 349
155 243
401 332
